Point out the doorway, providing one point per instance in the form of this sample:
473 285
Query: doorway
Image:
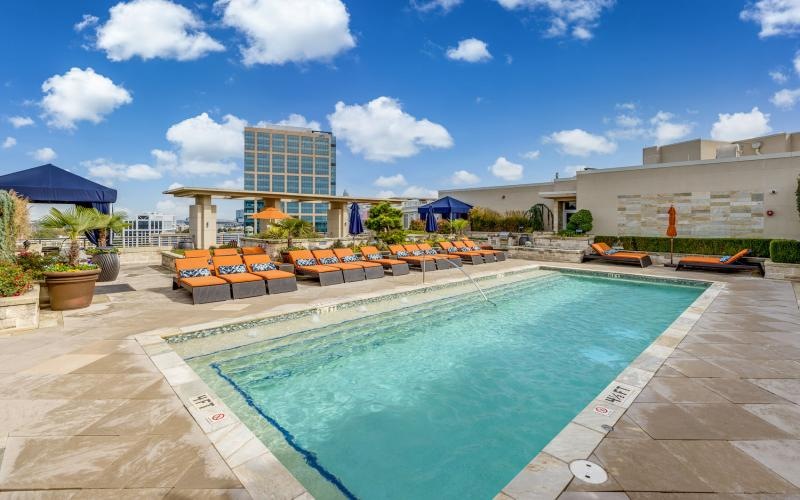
567 209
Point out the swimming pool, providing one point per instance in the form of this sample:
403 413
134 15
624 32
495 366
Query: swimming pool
450 399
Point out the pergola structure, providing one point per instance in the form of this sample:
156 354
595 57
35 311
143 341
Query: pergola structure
203 214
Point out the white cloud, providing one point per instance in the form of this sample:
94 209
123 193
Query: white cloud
578 142
509 59
464 178
628 121
506 170
9 143
778 76
382 131
626 106
419 192
572 170
532 155
154 29
737 126
386 193
87 21
391 181
165 160
44 154
470 50
237 183
428 5
785 98
20 121
174 185
294 120
177 206
80 95
776 17
280 31
206 147
108 171
666 130
797 62
576 17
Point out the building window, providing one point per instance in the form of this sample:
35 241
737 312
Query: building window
249 181
278 143
321 166
292 184
263 162
321 225
292 144
321 185
308 146
321 146
307 185
308 165
249 139
292 207
307 218
322 208
306 208
278 164
263 183
292 166
263 142
249 161
278 184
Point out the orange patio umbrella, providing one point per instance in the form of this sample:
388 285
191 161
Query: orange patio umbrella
672 231
270 213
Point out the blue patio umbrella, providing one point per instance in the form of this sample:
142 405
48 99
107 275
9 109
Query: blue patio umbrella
355 226
430 222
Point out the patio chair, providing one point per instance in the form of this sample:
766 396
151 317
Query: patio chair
306 265
277 281
417 262
360 272
605 253
732 263
455 260
253 251
442 262
463 246
469 257
223 252
487 250
243 284
194 275
372 254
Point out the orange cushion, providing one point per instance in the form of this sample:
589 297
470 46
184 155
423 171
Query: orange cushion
274 275
344 266
240 277
598 248
701 260
391 262
738 256
627 255
204 281
318 269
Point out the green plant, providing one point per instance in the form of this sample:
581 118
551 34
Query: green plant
394 237
111 223
443 226
14 280
699 246
515 220
459 226
8 237
338 244
383 217
484 219
63 267
99 250
34 263
74 223
785 251
540 217
417 225
295 228
581 221
797 195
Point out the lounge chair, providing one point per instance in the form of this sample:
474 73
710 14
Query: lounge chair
498 254
193 274
605 253
455 260
306 265
463 246
370 270
442 262
415 261
277 281
372 254
198 254
469 257
253 251
732 263
224 252
243 284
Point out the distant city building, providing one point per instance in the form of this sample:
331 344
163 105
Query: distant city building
290 160
143 227
240 217
410 212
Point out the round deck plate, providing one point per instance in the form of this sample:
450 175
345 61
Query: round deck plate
588 472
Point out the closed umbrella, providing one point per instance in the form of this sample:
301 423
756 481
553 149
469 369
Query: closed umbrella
430 222
355 226
672 231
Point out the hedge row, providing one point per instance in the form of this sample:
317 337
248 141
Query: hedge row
786 251
701 246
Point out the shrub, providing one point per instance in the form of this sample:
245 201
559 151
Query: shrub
443 226
484 219
417 225
514 220
338 244
34 263
393 237
699 246
13 280
384 217
785 251
580 220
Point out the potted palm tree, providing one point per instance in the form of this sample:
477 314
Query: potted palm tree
105 256
71 283
291 229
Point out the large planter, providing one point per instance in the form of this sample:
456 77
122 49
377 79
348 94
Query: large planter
781 271
109 265
71 290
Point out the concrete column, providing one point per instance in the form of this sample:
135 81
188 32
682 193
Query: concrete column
203 222
337 220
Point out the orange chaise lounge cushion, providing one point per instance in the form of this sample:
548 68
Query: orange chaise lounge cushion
601 248
296 255
233 260
715 260
274 274
367 251
196 263
324 254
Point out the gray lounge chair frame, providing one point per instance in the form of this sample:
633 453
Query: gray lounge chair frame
398 269
430 264
281 285
374 272
467 258
204 294
325 279
733 267
248 289
351 275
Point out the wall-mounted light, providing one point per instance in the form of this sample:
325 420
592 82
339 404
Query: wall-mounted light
770 213
773 192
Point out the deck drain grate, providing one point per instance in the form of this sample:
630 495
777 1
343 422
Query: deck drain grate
588 472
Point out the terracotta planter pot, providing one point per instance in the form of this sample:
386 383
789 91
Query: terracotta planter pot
109 266
71 290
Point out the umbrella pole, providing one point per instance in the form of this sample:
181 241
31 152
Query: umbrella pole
671 242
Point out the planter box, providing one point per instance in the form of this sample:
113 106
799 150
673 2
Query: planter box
781 271
545 254
20 313
168 260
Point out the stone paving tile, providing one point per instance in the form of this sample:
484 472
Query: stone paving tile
783 456
678 390
783 416
786 388
698 368
740 391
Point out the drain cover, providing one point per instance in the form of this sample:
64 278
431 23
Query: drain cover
588 472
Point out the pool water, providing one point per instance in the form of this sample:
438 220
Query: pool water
450 399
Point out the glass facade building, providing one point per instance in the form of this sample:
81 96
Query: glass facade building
294 161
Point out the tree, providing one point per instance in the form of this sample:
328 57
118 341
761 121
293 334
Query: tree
74 223
295 228
580 220
459 226
384 217
111 223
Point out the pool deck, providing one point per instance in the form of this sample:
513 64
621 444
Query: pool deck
87 414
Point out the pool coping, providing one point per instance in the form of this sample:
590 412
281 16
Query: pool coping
545 476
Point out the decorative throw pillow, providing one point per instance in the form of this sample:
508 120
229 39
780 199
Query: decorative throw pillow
725 258
452 249
350 258
329 260
306 262
234 269
464 249
195 273
430 252
476 247
611 251
264 266
402 253
417 253
374 256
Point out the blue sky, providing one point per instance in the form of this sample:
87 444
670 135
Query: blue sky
423 95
